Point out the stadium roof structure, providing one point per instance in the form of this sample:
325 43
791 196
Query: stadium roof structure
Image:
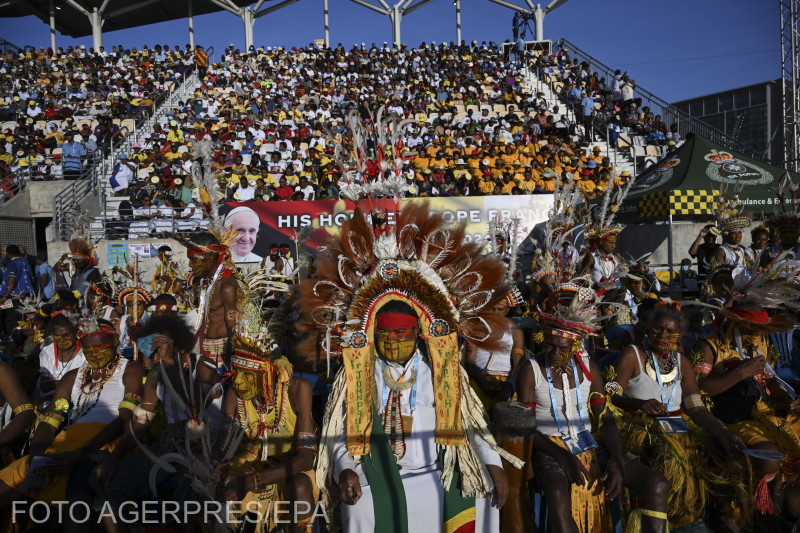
116 14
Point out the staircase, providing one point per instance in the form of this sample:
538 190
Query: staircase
669 113
620 158
91 202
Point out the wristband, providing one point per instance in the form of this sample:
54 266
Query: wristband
52 421
22 408
142 416
694 400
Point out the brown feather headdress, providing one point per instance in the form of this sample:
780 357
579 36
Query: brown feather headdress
427 264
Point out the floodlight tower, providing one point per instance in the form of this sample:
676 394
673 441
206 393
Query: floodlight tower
395 13
534 10
790 73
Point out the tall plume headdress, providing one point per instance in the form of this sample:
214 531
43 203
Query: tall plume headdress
729 215
563 222
602 224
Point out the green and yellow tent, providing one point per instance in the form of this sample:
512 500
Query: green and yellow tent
685 184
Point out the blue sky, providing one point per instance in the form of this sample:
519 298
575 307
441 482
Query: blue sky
677 49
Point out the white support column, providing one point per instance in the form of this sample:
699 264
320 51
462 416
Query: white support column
396 17
326 23
395 13
96 21
457 3
52 25
538 18
190 13
249 19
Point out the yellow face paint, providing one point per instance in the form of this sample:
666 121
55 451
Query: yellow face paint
99 355
246 385
395 344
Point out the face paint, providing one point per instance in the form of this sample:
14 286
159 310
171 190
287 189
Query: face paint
64 338
246 385
203 265
559 351
666 337
99 355
395 344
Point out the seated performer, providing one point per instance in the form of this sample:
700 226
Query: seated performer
275 459
736 371
96 402
656 387
60 357
405 443
564 385
491 370
124 476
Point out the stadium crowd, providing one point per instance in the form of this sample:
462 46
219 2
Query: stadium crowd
61 109
403 378
273 116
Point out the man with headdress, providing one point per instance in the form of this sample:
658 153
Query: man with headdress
405 446
600 261
100 398
730 223
275 461
214 277
81 264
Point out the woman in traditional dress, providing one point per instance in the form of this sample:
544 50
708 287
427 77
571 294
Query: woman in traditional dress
60 357
656 388
93 404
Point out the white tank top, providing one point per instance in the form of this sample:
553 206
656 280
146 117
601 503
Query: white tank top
104 407
644 387
497 362
567 415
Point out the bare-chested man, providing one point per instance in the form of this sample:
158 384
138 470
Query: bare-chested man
215 278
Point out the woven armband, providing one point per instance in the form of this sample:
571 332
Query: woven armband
142 415
308 441
694 400
518 351
22 408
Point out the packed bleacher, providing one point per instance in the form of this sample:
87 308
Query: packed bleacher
48 96
272 117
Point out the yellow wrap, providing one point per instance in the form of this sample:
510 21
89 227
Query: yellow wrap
69 440
676 457
589 507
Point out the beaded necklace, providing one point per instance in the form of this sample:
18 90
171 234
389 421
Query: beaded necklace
91 387
270 417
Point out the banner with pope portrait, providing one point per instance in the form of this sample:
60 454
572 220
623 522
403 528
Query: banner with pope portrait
262 225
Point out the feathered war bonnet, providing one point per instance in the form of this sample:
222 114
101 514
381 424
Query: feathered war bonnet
427 264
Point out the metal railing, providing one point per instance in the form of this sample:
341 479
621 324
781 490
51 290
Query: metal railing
6 46
180 91
658 106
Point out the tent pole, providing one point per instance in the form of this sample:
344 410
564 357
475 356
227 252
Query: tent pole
669 251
